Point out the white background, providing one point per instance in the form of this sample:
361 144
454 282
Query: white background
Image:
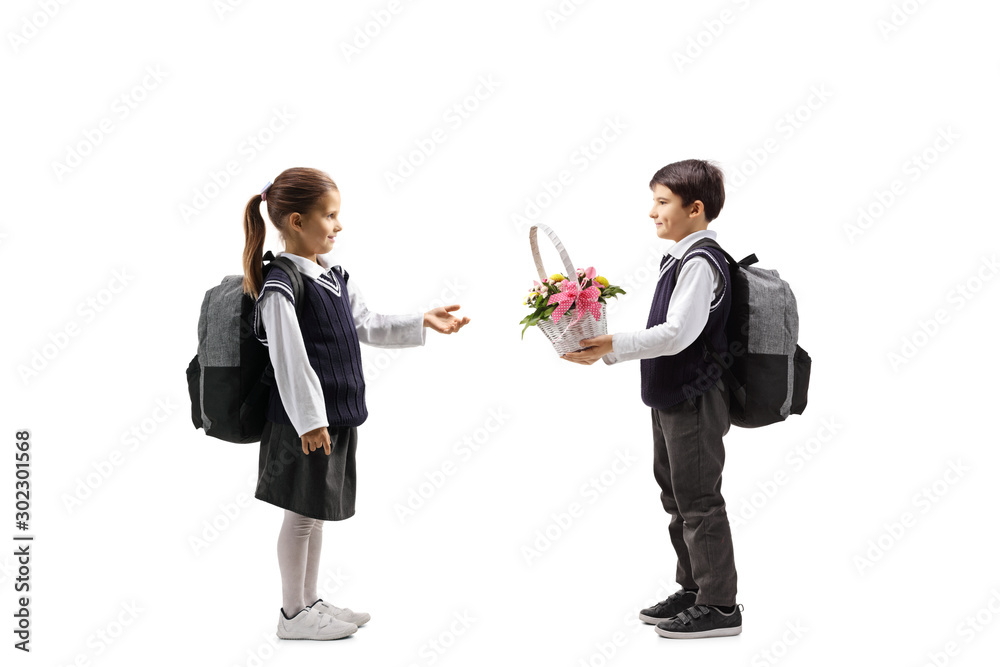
799 165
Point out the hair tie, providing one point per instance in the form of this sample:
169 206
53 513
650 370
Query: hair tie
263 193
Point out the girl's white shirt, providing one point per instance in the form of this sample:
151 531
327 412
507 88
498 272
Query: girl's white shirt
298 384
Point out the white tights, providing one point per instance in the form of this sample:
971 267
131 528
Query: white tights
299 544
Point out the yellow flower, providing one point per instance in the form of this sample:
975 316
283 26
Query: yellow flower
602 280
556 277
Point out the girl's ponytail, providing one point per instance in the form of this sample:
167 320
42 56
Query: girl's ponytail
298 189
253 252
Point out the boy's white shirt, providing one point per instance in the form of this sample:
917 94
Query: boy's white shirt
298 384
690 303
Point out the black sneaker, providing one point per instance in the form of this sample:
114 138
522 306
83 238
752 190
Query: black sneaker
672 606
702 621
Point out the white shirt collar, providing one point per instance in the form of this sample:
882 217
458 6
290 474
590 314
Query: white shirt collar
679 248
312 269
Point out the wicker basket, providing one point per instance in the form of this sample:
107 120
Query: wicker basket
564 337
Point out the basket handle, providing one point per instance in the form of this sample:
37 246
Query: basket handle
567 264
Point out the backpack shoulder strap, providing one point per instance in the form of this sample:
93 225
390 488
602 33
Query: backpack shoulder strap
711 243
292 271
701 244
746 261
737 392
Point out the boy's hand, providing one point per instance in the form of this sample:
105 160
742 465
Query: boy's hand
316 439
441 320
594 349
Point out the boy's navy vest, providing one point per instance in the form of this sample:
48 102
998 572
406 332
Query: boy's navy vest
331 343
669 379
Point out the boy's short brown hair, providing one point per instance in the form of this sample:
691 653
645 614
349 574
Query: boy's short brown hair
692 180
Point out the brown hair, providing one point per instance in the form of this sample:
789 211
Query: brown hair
295 190
692 180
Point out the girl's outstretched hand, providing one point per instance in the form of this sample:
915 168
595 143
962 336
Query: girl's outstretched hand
441 320
316 438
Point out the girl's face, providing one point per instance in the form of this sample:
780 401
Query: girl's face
315 231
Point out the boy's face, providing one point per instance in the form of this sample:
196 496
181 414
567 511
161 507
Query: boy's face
673 221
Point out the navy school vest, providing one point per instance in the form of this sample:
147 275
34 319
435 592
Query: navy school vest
669 379
331 343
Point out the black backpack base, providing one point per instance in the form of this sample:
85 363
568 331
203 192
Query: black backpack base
757 402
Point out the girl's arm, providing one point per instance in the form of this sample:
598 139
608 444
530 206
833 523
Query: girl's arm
384 330
298 385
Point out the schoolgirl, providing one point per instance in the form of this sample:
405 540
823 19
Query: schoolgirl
307 451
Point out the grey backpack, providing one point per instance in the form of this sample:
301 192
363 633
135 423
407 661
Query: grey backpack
231 377
765 369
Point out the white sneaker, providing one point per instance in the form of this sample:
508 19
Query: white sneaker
358 618
311 624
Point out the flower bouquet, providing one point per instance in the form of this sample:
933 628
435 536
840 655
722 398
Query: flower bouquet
567 307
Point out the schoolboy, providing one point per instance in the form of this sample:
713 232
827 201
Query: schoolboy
690 306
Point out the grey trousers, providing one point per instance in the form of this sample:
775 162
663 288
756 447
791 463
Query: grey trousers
688 456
